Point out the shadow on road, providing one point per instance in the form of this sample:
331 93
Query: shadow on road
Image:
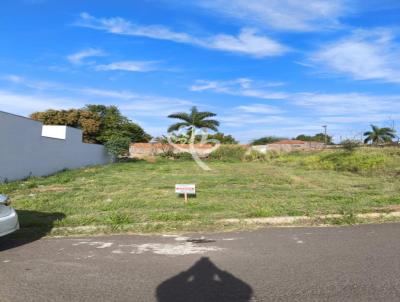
34 225
204 281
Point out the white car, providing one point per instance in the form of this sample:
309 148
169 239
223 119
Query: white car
8 217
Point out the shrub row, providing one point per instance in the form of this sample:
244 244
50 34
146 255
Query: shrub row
359 160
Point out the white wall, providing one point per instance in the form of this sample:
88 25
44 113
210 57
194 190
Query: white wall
25 152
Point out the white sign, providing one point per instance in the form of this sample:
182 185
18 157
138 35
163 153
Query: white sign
185 189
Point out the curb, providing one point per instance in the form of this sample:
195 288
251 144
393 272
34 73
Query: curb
287 220
322 220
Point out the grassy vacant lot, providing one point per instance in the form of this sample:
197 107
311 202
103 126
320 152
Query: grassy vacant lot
139 196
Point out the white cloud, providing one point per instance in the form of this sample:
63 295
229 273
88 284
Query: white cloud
38 97
293 15
365 55
13 78
134 66
344 113
348 104
140 104
334 109
39 85
250 132
248 41
78 57
240 87
343 105
366 118
235 119
22 103
116 94
259 109
153 106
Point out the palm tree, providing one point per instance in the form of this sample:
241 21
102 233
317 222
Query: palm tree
194 120
379 135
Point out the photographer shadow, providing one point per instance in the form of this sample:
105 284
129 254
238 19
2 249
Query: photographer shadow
204 281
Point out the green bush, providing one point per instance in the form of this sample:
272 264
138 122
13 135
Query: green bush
254 155
267 140
170 154
229 153
361 160
118 145
184 156
355 162
350 144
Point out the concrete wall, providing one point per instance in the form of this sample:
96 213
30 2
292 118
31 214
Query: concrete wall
260 148
289 147
140 150
25 152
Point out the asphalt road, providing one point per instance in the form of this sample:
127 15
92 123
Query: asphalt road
360 263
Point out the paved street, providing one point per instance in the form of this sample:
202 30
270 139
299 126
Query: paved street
360 263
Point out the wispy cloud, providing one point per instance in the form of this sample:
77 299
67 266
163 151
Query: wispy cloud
260 109
282 14
366 118
13 78
141 104
133 66
248 41
104 93
297 112
24 103
79 57
335 108
348 104
57 96
365 55
20 80
235 119
240 87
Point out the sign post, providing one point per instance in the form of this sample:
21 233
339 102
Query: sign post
185 189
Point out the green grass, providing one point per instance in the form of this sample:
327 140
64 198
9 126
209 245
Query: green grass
139 196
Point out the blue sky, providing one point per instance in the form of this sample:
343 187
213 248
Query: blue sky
266 67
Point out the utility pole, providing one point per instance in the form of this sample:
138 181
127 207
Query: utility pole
325 132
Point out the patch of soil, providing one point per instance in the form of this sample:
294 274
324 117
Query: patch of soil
50 189
386 209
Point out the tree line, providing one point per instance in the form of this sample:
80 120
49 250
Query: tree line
106 125
100 124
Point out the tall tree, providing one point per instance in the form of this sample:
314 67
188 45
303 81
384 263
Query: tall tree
99 123
114 124
319 137
379 135
194 120
225 139
89 122
266 140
